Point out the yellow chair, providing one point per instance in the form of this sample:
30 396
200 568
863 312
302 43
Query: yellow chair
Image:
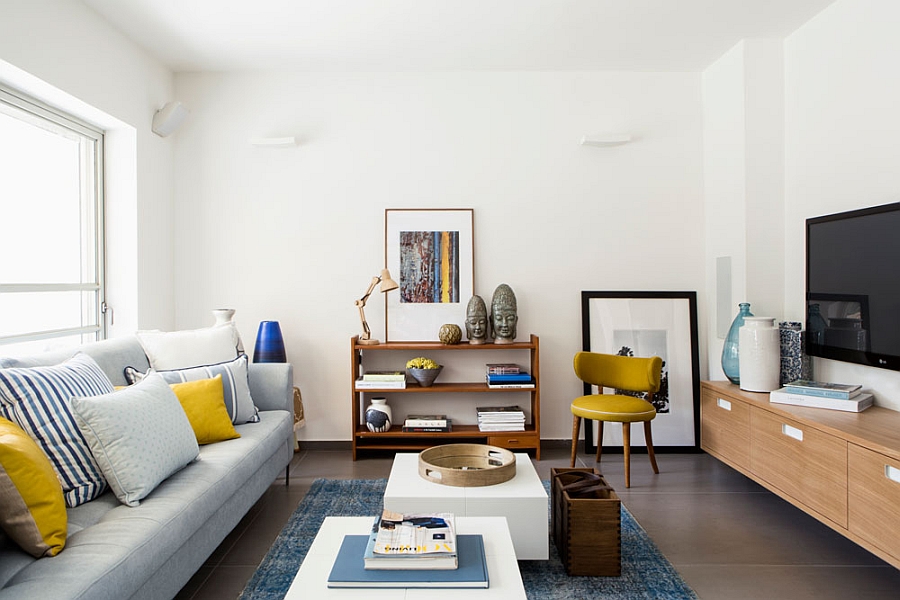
620 373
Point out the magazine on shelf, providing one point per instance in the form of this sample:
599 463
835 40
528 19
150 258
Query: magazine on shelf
498 410
349 568
858 403
823 389
362 384
384 376
501 427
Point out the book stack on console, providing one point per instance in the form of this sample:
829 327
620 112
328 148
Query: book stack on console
425 423
504 375
501 418
382 380
822 394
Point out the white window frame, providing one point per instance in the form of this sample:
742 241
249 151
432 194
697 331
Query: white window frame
94 317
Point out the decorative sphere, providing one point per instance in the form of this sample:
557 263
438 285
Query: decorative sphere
450 334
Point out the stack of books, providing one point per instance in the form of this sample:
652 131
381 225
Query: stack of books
400 542
501 418
821 394
424 423
382 380
505 375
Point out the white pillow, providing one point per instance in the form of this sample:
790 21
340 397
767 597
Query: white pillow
139 436
168 350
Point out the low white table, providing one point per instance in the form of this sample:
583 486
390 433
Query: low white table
312 578
522 500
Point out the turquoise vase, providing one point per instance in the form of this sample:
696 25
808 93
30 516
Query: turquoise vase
730 363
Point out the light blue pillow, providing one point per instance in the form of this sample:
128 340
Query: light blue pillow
235 384
38 399
139 436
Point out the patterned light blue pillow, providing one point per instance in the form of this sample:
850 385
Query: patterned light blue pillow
38 400
235 383
139 435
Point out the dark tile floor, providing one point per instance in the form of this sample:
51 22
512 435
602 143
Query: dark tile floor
727 536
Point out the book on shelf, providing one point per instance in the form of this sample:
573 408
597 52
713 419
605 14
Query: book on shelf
511 378
511 385
824 389
502 368
858 403
426 421
349 569
499 410
425 429
384 376
362 384
415 541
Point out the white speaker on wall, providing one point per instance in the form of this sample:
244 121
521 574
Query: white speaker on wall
169 118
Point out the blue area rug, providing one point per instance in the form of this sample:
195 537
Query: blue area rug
646 573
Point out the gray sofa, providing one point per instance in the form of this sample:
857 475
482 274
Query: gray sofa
151 551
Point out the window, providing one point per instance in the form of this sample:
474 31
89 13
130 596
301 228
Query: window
51 243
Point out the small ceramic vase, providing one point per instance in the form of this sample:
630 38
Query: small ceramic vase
378 415
760 350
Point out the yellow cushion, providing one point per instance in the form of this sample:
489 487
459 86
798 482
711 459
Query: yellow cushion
32 506
612 407
203 402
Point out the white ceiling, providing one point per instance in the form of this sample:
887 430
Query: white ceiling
436 35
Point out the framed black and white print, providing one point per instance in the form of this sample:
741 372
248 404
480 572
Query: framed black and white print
431 254
648 324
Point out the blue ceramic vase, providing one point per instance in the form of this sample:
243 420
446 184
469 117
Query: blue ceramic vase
730 349
269 344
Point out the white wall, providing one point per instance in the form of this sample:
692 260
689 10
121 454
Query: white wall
842 141
295 234
65 54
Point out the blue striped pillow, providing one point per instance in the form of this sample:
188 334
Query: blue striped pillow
38 400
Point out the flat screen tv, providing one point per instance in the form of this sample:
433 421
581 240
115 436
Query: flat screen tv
853 286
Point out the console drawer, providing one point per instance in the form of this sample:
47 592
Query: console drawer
725 427
874 498
805 463
513 440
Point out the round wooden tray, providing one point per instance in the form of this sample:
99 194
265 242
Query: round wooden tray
467 465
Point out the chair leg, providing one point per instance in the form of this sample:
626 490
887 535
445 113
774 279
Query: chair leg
599 439
576 423
626 448
649 439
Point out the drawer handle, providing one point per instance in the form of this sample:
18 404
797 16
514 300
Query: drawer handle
792 432
723 404
892 473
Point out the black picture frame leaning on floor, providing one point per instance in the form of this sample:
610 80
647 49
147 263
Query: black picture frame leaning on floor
657 323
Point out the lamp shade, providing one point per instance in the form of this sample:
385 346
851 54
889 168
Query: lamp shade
269 344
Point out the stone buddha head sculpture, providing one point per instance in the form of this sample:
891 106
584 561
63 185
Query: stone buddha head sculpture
476 321
503 315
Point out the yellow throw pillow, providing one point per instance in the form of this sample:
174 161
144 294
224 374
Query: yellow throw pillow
203 402
32 506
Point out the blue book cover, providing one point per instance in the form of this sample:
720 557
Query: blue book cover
517 377
349 568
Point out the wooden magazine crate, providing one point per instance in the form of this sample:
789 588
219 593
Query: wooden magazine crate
587 527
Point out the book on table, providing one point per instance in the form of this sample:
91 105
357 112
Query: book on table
349 569
858 403
842 391
417 541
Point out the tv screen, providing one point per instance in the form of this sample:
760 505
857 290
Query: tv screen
853 286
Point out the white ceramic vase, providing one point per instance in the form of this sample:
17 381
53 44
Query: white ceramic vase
378 415
225 316
760 355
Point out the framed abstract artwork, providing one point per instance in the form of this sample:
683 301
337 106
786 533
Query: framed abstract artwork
648 324
431 254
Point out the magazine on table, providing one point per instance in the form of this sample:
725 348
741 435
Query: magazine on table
414 541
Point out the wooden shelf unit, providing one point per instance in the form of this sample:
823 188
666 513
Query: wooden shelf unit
842 468
398 440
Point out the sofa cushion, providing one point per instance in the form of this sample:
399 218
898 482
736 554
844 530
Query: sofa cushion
38 400
32 507
168 350
139 436
235 385
204 404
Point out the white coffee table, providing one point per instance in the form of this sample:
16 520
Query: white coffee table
312 578
522 500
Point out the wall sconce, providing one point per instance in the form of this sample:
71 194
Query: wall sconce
387 284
